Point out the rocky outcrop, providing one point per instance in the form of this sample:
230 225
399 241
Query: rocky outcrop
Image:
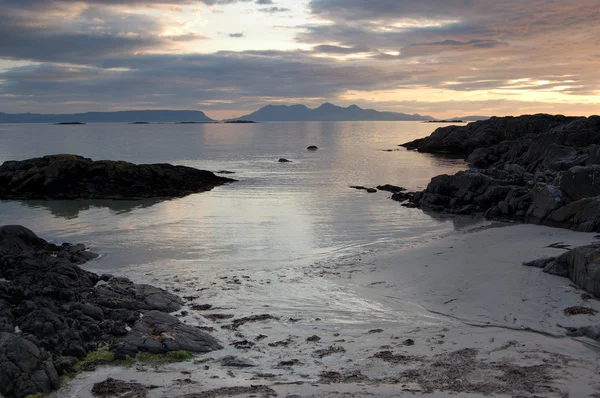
538 169
76 177
51 308
485 133
581 265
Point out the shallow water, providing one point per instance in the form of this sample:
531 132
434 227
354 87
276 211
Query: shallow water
276 215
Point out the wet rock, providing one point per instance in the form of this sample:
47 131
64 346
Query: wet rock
283 160
391 188
54 312
158 333
360 187
119 388
312 148
201 307
262 391
313 339
291 362
76 177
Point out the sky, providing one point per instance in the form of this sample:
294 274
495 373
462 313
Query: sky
445 58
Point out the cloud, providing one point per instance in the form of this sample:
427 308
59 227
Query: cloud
109 53
273 10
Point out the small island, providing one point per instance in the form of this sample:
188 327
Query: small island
239 121
446 121
69 123
140 122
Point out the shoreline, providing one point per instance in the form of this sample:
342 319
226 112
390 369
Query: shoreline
374 324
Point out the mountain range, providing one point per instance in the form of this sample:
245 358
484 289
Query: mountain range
107 117
269 113
325 112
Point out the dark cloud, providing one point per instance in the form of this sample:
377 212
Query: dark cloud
328 49
273 10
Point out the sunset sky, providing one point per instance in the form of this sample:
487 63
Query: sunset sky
443 58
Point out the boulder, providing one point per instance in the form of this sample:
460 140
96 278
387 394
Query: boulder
580 264
76 177
312 148
24 368
158 333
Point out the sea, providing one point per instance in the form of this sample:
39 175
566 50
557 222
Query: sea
277 216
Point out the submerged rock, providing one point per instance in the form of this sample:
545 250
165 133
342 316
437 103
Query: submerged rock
312 148
76 177
53 312
283 160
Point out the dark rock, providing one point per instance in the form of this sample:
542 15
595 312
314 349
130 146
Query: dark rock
282 160
360 187
76 177
464 140
390 188
63 313
24 368
118 388
312 148
581 265
313 338
158 333
539 169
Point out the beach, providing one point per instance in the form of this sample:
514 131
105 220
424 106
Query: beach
458 315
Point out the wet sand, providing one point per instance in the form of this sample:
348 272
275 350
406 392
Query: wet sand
458 315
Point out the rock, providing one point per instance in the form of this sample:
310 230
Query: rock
24 368
539 169
76 177
581 182
312 148
159 333
53 312
463 140
360 187
390 188
539 263
282 160
118 388
236 362
581 265
593 332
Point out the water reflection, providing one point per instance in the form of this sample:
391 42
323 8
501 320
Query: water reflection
70 209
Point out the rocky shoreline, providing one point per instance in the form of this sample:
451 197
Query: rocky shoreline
539 169
53 314
76 177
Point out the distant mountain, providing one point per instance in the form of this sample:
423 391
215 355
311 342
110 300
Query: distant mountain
326 112
108 117
471 118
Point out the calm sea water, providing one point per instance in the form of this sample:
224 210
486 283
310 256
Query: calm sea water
276 215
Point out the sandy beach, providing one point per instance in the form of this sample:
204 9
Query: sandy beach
459 315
